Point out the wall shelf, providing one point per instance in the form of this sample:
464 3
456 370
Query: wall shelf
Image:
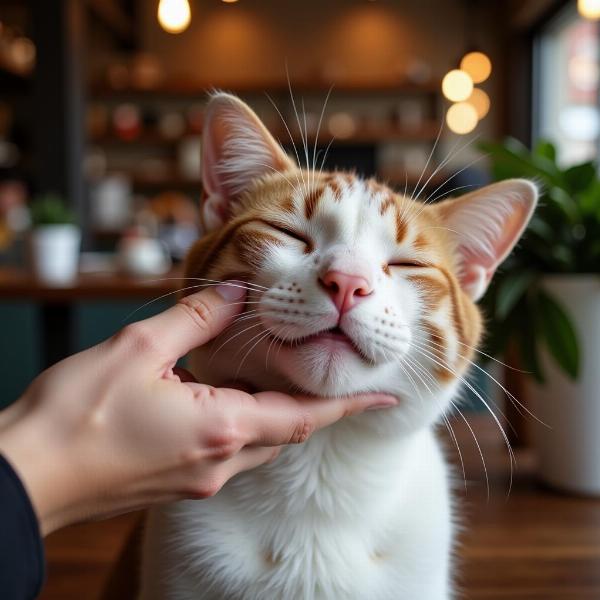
187 90
363 136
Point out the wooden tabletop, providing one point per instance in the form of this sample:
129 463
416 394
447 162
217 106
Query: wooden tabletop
20 284
534 544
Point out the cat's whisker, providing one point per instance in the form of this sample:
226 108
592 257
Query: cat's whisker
211 283
325 155
276 339
437 139
446 366
447 423
424 347
299 176
230 339
264 336
426 354
314 162
233 283
518 405
442 194
449 156
295 188
298 121
487 479
450 178
306 152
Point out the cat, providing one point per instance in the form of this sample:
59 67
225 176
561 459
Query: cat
352 288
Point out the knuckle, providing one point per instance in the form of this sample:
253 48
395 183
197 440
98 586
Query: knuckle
138 337
207 488
303 428
191 457
226 441
198 309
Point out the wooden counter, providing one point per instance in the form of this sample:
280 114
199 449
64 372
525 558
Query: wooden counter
16 283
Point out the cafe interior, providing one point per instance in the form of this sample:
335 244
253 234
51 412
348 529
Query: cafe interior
102 106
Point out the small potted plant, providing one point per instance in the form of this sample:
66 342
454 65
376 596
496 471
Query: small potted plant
544 308
55 241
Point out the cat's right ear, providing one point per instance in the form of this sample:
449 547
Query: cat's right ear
237 149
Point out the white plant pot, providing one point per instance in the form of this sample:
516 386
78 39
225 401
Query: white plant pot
55 253
569 448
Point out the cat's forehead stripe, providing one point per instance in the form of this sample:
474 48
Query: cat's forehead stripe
311 200
336 189
387 202
401 226
287 205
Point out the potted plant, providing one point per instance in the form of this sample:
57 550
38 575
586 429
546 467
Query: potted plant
55 241
544 308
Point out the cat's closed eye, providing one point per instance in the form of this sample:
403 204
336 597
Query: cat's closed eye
407 264
291 233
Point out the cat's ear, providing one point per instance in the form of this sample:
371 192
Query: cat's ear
236 150
486 224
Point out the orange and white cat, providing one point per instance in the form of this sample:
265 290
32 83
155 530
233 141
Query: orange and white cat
353 288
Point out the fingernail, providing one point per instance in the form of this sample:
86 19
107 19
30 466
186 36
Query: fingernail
231 290
385 402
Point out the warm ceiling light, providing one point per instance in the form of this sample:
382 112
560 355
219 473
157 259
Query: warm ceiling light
457 85
461 118
230 1
480 101
174 16
589 9
477 65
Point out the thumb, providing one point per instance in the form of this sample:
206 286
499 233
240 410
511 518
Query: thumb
197 318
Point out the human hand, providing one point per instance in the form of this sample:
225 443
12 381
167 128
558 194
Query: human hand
113 429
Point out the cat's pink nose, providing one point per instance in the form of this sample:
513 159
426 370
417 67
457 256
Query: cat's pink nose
346 290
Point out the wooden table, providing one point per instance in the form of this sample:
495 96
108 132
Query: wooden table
535 544
56 301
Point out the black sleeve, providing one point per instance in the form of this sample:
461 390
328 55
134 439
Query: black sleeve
21 549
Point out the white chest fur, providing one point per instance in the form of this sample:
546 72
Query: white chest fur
345 516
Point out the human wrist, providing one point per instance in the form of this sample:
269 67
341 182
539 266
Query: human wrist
42 467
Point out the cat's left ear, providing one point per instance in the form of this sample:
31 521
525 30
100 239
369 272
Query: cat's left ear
486 224
237 149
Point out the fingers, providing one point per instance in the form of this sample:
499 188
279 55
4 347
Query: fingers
275 418
249 458
193 321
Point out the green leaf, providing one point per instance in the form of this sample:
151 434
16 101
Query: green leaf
579 177
510 291
50 209
589 200
546 149
558 333
564 202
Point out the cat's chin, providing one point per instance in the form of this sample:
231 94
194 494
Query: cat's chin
325 370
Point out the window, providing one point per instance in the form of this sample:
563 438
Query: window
566 101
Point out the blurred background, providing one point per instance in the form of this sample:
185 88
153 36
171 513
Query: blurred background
101 114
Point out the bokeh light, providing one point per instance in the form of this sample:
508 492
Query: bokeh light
461 118
174 16
589 9
457 85
480 102
477 65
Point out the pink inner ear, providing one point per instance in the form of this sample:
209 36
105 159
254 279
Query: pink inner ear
488 251
487 224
